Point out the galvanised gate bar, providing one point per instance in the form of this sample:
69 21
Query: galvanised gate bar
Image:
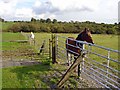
100 66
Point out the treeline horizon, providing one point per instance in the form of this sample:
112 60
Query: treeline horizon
54 26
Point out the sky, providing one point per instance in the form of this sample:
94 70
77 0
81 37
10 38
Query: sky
101 11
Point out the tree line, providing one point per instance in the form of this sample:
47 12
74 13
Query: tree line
54 26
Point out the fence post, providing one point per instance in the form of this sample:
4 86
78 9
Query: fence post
108 62
56 45
11 58
70 70
81 65
49 49
53 49
34 42
83 59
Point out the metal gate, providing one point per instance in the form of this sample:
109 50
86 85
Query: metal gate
99 67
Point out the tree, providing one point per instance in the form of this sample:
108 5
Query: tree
33 19
48 20
25 28
54 21
115 23
15 28
42 21
2 20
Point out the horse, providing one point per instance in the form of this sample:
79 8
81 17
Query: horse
32 38
73 47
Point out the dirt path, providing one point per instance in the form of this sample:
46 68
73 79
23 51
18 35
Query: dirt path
10 63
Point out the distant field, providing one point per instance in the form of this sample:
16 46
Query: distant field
6 25
6 36
14 49
109 41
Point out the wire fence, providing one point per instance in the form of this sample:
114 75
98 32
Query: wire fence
24 51
99 66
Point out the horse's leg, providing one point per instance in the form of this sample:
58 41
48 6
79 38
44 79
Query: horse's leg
76 69
71 59
67 58
34 41
30 41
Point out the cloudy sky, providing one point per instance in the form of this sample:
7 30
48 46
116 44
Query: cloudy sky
105 11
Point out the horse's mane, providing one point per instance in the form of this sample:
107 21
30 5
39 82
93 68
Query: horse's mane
79 37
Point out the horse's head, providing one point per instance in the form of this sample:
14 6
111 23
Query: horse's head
85 36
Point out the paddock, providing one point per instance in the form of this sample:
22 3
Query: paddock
99 67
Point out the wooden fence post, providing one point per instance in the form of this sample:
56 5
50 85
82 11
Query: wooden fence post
56 46
34 42
64 78
80 65
53 49
49 49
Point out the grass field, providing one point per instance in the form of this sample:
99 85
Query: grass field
14 50
36 76
7 37
108 41
6 25
25 76
43 75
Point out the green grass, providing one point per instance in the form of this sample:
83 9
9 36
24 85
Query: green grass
7 37
108 41
43 74
12 36
15 49
0 78
6 25
25 76
35 76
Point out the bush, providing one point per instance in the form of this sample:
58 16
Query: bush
63 27
15 28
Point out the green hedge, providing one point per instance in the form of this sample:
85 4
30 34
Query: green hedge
63 27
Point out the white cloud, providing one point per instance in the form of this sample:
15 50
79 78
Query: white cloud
108 11
119 11
55 8
82 10
44 8
7 9
24 12
71 4
93 10
37 3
